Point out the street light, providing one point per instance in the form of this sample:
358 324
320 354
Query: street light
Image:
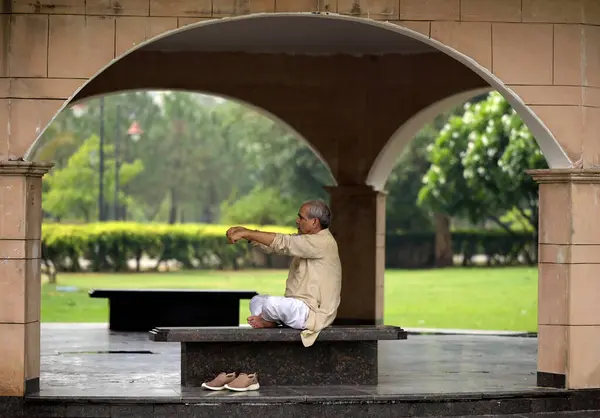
117 163
134 131
78 109
101 213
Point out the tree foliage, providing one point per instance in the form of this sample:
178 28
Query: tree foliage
202 159
73 189
263 206
478 165
404 183
197 152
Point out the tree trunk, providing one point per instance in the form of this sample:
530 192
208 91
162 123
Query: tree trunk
173 210
443 241
51 272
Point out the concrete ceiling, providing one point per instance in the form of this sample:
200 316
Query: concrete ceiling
290 33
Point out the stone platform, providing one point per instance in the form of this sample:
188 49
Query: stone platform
89 371
341 356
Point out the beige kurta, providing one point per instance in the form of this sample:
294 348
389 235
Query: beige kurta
315 277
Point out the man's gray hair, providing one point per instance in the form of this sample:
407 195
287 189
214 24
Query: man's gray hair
317 209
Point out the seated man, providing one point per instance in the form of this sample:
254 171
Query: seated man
313 286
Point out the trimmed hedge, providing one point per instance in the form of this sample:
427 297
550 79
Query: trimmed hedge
417 250
107 247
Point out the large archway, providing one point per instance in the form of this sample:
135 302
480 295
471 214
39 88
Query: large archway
345 84
302 34
385 161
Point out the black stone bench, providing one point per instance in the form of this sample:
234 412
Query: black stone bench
341 355
144 309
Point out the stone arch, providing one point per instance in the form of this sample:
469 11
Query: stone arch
384 164
263 112
553 152
555 155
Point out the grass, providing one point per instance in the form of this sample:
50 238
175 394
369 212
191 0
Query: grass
476 298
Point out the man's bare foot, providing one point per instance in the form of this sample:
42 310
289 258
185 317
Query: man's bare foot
256 321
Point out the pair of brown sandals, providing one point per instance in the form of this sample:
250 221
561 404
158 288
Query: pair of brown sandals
243 382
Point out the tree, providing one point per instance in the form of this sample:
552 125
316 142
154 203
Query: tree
478 165
197 151
403 213
73 190
261 206
272 156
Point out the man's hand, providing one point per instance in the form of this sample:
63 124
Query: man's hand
236 233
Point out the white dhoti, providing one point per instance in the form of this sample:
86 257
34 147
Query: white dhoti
287 311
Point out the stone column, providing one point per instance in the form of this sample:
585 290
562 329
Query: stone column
569 278
359 228
20 235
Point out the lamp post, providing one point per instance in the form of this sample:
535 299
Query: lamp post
101 216
117 163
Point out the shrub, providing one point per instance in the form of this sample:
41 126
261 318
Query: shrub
417 250
108 246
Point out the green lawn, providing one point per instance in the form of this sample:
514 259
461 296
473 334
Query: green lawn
477 298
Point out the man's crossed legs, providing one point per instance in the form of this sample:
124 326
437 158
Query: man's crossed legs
269 311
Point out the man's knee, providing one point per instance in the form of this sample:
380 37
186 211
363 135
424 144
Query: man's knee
270 305
269 309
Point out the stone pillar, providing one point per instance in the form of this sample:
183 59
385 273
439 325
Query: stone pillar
359 228
20 235
569 278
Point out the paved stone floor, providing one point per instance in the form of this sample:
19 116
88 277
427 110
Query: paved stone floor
88 371
89 360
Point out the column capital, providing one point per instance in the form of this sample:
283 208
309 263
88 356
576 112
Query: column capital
566 175
24 168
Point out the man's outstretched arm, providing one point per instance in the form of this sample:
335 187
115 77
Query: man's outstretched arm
264 238
237 233
294 245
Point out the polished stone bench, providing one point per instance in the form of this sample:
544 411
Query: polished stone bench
145 309
342 355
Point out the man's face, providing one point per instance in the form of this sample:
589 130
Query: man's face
304 223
